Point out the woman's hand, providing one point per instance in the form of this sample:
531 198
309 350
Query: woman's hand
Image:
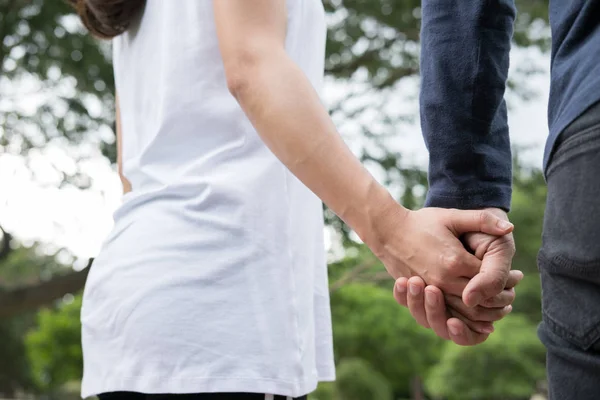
453 320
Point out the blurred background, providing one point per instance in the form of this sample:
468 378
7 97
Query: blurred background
58 189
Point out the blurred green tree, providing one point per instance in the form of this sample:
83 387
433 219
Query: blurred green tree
369 324
507 366
358 380
20 267
54 346
14 369
528 205
325 391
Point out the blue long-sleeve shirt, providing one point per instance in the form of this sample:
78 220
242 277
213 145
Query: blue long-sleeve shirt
464 67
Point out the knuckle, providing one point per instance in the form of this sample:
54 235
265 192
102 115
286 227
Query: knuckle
508 298
474 314
493 302
501 301
483 315
436 277
496 283
437 280
484 217
508 243
451 261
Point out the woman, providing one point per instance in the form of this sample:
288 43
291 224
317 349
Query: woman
213 281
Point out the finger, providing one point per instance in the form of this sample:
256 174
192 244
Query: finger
514 277
477 313
463 221
462 335
400 291
453 286
490 280
479 327
435 310
506 298
416 300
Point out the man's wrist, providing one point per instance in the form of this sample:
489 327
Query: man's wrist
487 196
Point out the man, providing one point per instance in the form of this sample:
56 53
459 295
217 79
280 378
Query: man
465 57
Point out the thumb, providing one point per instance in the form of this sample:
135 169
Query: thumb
463 221
490 281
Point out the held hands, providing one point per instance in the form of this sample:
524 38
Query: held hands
488 295
425 243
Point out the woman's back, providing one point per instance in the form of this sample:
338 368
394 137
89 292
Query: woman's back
214 276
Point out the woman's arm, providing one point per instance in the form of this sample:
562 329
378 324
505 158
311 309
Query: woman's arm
124 181
291 120
288 114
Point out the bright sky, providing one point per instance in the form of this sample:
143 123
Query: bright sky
79 219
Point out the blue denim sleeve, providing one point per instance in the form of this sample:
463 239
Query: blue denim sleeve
465 47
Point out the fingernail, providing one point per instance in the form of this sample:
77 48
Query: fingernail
508 309
521 275
401 288
430 299
454 330
414 289
504 225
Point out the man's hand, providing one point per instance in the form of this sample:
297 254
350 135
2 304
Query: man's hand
496 254
426 243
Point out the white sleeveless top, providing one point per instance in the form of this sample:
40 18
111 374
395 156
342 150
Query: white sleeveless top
214 277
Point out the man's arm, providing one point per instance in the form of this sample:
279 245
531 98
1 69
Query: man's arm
464 67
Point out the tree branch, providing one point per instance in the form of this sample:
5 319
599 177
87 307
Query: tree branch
366 57
396 75
31 297
5 247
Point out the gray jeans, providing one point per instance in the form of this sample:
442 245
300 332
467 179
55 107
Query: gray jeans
569 263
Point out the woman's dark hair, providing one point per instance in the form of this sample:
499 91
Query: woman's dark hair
107 18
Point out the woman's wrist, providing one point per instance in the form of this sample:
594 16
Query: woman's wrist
377 217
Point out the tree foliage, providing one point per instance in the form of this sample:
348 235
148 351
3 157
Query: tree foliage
369 324
57 91
358 380
54 346
18 267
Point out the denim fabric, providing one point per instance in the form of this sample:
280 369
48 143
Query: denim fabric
569 263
